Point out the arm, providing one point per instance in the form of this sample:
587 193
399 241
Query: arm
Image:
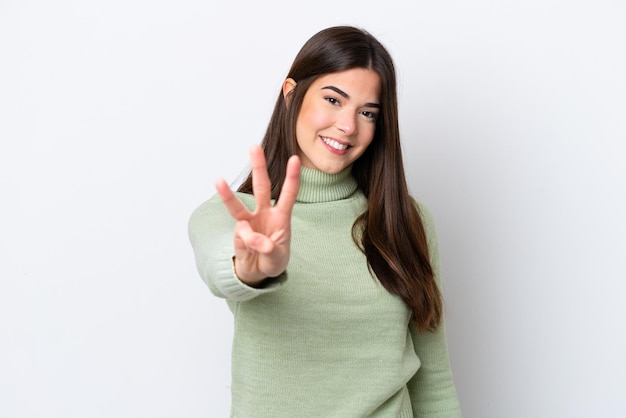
432 389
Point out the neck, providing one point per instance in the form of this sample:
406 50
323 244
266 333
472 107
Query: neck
317 186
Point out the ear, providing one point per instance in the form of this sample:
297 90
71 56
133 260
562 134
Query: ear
288 86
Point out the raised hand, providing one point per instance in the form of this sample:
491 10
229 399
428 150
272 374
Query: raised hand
262 237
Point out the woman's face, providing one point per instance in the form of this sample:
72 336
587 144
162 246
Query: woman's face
337 119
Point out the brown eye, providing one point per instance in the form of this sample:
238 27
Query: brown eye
369 115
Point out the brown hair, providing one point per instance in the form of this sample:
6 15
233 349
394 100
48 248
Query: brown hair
390 232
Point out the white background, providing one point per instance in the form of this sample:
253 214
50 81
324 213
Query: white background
116 118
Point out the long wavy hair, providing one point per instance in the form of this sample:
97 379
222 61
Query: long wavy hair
390 232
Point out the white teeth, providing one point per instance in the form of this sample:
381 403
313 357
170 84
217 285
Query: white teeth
336 145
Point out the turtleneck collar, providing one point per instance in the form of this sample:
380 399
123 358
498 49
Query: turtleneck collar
319 187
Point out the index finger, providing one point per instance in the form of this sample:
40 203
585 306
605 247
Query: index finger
289 191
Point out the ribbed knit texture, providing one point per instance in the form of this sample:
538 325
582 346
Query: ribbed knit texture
324 339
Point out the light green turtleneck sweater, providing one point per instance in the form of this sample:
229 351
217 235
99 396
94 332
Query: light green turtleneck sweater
325 339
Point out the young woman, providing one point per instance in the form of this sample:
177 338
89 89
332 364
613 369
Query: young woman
329 266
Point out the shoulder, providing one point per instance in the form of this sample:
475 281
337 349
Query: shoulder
424 213
207 208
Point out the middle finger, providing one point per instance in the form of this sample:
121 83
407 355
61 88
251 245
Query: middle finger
261 184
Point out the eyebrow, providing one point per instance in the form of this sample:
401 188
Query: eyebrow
347 96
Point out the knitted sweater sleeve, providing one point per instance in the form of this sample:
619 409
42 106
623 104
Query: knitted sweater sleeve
432 389
211 233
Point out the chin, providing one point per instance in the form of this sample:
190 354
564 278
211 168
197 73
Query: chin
329 167
332 170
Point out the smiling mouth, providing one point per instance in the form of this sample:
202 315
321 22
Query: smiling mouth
334 144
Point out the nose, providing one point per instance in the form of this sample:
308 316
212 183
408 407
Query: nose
346 122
